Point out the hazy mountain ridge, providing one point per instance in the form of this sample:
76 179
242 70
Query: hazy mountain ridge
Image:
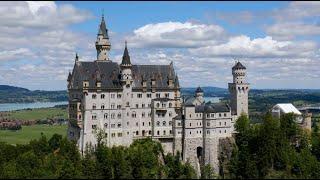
12 94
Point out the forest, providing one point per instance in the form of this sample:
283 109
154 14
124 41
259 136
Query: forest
274 148
59 158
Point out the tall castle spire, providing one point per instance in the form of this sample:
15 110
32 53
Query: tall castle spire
126 58
103 44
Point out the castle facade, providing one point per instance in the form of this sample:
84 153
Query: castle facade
128 102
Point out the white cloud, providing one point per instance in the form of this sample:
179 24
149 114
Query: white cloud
16 53
40 15
176 35
291 30
243 47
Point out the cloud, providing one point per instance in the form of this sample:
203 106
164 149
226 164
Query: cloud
16 53
33 14
176 35
291 30
242 47
37 45
297 10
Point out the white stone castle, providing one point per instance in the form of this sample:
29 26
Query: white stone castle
130 102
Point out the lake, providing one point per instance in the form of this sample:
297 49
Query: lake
17 106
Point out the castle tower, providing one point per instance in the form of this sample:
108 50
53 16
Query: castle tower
199 95
103 45
126 72
239 90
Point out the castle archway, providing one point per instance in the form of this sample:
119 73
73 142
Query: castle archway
199 152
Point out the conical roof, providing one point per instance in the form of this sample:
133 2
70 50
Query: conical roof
126 57
103 29
238 66
199 89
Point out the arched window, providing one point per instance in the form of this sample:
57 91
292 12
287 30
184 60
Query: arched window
112 116
94 96
102 96
106 116
105 125
119 115
170 114
164 123
94 106
158 104
143 114
102 106
170 105
158 123
170 123
134 115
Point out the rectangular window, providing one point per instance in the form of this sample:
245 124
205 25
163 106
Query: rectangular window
137 105
158 95
167 95
139 95
148 95
112 96
118 96
94 96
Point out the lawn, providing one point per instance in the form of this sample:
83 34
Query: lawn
28 133
41 113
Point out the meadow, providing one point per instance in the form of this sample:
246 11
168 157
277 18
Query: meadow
28 133
41 113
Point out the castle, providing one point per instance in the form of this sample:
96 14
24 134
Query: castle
130 102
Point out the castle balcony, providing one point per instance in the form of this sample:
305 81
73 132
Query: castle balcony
161 109
163 137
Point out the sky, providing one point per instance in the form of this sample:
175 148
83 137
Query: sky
278 42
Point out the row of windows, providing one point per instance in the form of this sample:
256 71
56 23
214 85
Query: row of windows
94 106
208 132
208 115
164 105
102 96
163 114
164 123
208 124
143 133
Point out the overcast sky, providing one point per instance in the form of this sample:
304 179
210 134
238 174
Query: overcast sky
278 42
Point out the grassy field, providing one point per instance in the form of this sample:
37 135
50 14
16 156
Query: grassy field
28 133
41 113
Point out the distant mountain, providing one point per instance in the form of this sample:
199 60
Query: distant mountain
12 94
208 91
6 88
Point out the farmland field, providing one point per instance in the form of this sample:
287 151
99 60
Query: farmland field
28 133
41 113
